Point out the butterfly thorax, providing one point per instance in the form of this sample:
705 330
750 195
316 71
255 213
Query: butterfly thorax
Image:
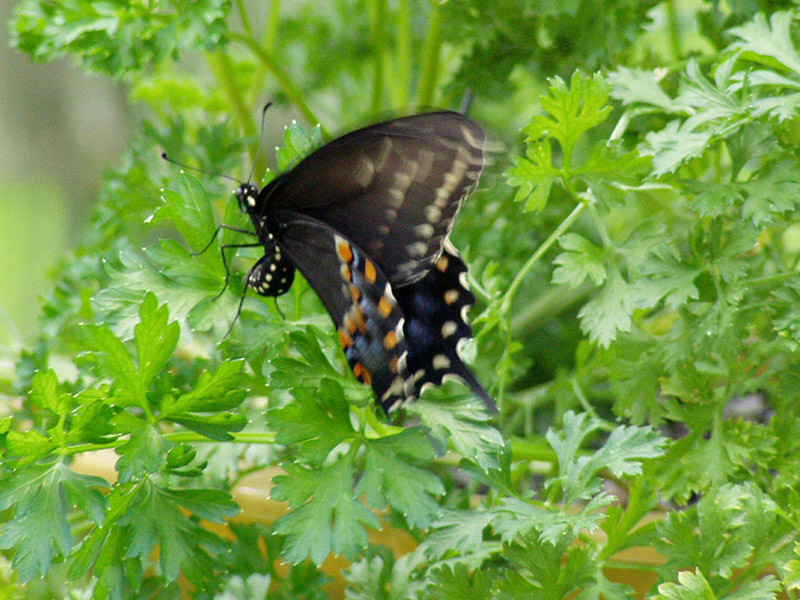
274 273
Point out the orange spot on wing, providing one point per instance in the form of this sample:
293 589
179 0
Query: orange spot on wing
362 374
370 272
345 338
361 323
390 341
443 263
385 306
350 324
344 251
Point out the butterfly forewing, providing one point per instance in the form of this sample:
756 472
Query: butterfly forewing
393 189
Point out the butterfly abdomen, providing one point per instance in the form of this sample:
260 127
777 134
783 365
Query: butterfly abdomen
273 274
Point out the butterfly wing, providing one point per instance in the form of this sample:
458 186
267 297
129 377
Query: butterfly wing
392 189
435 311
359 299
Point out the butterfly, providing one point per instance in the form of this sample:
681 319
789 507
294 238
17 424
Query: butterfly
366 219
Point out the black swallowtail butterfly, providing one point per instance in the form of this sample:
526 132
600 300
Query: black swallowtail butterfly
366 219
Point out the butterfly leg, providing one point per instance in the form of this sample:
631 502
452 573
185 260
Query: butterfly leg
224 247
216 233
225 263
259 278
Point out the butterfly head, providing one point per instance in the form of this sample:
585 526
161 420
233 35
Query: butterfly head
247 194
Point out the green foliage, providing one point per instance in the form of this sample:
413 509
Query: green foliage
634 253
118 37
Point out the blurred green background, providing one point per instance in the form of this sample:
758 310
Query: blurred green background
59 130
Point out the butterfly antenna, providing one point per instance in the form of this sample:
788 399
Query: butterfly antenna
169 159
466 102
260 141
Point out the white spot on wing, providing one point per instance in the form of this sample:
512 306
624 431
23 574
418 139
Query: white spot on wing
441 362
449 328
396 197
470 138
386 148
425 158
417 249
400 325
403 180
425 230
395 389
465 313
433 213
365 170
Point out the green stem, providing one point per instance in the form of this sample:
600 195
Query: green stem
540 251
550 303
78 448
674 30
271 31
223 70
505 305
601 226
268 40
524 450
378 24
245 17
403 86
587 406
292 91
243 437
430 56
770 280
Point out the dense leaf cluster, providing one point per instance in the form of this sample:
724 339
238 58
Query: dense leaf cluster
634 252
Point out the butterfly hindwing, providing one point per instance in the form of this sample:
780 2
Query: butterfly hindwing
359 299
393 189
435 311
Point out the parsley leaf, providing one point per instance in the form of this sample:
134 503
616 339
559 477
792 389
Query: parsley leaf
327 515
391 477
573 111
42 497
